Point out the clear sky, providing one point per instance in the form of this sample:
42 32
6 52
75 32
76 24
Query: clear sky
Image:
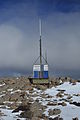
19 33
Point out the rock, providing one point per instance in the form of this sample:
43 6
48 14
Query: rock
44 117
34 110
37 109
69 97
44 95
49 96
65 79
52 103
75 118
74 83
35 118
6 97
75 103
54 112
1 103
51 118
76 94
60 118
10 81
29 87
56 118
63 104
59 94
23 94
22 108
41 87
62 91
55 81
25 102
1 114
17 96
31 108
13 105
26 114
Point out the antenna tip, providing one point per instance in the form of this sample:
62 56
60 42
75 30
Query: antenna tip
40 26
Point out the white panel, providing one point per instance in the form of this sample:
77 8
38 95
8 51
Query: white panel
36 68
45 67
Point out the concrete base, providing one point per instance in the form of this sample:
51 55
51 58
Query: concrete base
39 81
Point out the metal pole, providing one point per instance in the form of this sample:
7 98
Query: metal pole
40 43
40 53
40 50
46 57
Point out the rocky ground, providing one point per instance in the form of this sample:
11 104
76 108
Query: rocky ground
20 100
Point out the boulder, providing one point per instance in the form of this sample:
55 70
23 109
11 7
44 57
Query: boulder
69 97
41 87
26 114
56 118
75 118
34 110
52 103
75 103
54 112
1 114
59 94
63 104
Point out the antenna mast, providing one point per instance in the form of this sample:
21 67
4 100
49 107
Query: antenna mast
46 57
40 42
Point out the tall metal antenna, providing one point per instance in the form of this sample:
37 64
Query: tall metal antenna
46 56
40 42
40 26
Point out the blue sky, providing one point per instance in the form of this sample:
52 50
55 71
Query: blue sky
19 33
44 7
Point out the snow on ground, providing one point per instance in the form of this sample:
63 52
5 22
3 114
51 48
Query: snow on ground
2 84
76 98
10 90
27 91
67 112
36 91
8 115
2 95
70 111
52 92
8 102
69 89
15 91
